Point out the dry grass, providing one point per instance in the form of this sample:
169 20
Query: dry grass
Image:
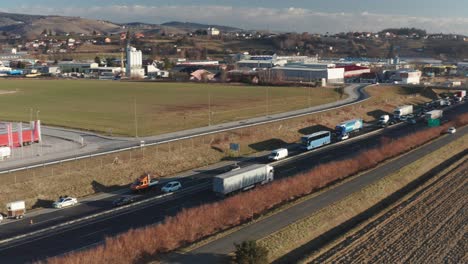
195 223
84 176
301 232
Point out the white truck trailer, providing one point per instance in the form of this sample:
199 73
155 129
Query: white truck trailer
402 111
434 114
16 209
242 179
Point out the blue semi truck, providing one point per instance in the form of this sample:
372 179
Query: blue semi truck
345 128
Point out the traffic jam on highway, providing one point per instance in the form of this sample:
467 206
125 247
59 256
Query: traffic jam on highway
235 178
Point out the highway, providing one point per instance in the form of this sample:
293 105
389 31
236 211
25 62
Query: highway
95 144
86 234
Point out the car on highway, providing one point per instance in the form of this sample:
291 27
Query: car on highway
124 200
411 121
171 187
451 130
344 136
65 201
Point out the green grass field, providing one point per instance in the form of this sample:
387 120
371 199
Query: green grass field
109 106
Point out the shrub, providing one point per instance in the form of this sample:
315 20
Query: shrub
248 252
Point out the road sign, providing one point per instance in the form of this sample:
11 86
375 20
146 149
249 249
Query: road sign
234 146
433 122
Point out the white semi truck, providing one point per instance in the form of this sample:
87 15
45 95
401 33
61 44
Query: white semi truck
434 114
242 179
402 111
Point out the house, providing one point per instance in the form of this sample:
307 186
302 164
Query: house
212 31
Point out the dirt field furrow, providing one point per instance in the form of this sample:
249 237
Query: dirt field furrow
443 241
459 253
388 225
430 226
426 226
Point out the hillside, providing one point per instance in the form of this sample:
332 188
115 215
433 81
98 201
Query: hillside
194 26
33 25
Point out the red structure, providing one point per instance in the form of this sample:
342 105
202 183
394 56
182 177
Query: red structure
354 70
18 136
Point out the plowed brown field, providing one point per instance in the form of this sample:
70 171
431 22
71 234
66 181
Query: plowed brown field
429 227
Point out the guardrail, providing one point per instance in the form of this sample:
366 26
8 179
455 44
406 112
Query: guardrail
360 90
134 206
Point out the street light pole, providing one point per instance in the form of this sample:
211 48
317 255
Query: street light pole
209 109
135 115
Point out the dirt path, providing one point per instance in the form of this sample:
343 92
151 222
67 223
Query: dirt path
429 227
6 92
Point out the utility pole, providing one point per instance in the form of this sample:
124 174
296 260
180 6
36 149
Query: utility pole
136 120
267 100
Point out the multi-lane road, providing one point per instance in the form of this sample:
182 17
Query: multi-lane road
88 233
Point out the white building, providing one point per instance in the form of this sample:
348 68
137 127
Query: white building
407 76
296 73
72 66
134 63
212 31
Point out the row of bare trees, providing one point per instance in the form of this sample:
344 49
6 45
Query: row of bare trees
193 224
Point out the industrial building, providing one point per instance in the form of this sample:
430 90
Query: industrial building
80 67
310 73
407 76
134 67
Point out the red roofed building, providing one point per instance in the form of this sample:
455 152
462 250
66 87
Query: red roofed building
354 70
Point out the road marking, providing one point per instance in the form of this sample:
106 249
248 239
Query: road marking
55 218
92 233
290 169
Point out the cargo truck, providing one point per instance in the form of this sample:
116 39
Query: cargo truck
144 182
460 94
242 179
383 120
16 209
345 128
434 114
402 111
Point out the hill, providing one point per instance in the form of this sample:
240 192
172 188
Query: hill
194 26
33 25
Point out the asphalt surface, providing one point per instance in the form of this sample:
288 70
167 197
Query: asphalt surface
95 144
216 251
90 233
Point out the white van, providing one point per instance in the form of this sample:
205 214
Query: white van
278 154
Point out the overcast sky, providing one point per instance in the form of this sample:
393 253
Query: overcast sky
448 16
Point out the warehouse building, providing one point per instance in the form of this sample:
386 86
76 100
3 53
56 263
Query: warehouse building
309 73
79 67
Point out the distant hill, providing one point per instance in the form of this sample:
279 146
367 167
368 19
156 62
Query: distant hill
33 25
194 26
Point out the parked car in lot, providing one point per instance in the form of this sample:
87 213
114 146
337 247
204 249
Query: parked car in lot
65 202
1 218
124 200
451 130
171 187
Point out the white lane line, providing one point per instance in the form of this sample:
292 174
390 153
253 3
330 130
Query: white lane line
95 232
48 220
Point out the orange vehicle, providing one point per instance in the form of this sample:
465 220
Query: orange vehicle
144 182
